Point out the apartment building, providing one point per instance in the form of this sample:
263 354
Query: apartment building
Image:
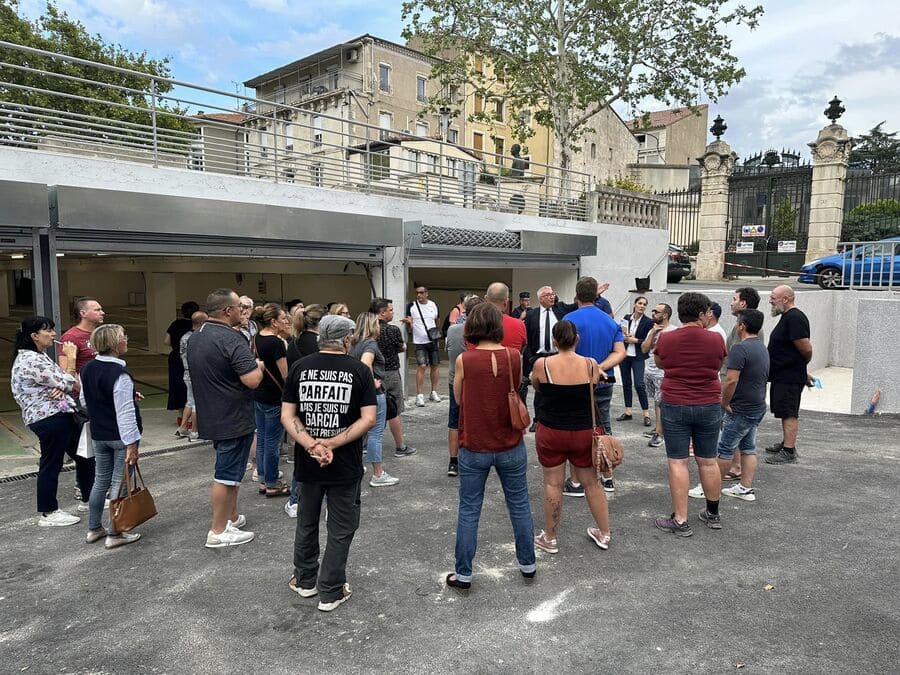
669 143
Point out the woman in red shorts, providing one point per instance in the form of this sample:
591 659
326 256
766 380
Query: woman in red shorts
564 434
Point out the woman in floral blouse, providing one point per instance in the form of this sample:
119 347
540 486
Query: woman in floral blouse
44 392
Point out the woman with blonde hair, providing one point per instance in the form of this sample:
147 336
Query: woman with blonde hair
269 346
363 346
107 389
305 329
340 309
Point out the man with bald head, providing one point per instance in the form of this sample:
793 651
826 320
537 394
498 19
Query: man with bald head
513 329
789 351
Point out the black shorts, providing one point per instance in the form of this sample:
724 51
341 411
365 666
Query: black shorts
784 399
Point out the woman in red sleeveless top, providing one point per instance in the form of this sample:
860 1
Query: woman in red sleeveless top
488 439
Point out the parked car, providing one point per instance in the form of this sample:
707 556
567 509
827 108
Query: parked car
870 264
679 264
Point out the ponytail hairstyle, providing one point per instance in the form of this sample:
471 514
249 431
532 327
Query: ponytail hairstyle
32 324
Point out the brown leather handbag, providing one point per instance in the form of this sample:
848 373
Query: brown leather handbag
606 450
518 411
134 503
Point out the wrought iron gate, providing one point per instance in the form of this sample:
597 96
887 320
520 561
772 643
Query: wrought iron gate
767 205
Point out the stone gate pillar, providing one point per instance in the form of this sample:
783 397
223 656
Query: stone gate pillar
716 167
830 154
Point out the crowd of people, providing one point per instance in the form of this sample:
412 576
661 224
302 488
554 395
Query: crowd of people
250 378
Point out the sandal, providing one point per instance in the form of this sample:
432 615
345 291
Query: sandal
262 488
731 476
623 417
457 584
278 490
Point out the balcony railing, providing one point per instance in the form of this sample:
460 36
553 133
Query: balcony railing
307 90
44 107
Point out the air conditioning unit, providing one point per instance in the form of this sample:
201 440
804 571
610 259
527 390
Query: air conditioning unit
352 55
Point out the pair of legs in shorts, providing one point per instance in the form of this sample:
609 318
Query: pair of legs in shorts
427 355
555 447
739 433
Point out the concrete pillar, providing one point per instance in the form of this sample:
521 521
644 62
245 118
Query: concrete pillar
391 280
830 153
161 308
4 294
716 166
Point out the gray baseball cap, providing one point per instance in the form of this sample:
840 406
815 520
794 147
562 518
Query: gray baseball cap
333 327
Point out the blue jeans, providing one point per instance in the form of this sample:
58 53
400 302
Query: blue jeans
602 399
110 458
474 467
376 433
632 365
739 431
268 441
684 423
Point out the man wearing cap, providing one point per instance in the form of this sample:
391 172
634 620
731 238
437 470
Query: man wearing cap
328 405
521 311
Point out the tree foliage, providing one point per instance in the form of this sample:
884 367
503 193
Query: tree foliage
567 60
785 219
873 221
877 151
113 95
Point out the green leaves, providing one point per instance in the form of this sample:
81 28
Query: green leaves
572 58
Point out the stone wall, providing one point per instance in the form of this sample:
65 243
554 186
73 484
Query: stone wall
876 364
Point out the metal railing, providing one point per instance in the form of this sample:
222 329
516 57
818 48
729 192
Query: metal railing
864 265
98 111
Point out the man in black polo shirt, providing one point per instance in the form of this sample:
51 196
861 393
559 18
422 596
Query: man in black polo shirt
328 405
789 352
223 373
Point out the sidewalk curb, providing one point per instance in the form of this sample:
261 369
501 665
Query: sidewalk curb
71 467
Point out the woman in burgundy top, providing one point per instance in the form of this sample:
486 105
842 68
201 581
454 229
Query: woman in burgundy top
691 410
564 433
487 438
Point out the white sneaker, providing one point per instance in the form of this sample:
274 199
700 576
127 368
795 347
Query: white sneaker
181 432
238 523
329 606
194 436
420 401
83 507
697 492
255 475
383 480
290 509
58 519
302 592
436 397
739 491
122 539
229 537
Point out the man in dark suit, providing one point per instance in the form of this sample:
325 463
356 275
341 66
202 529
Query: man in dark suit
539 325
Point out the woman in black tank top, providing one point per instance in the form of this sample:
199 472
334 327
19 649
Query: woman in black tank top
564 432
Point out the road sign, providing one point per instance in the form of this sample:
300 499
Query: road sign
753 230
744 247
787 246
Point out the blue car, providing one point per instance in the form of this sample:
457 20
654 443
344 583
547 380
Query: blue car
873 264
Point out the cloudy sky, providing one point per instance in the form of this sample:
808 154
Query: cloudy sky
803 53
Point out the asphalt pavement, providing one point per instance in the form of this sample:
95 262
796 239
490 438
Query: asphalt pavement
802 580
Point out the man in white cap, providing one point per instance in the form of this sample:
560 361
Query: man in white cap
328 405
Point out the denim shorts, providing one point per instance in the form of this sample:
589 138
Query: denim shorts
453 414
428 354
685 423
231 459
739 431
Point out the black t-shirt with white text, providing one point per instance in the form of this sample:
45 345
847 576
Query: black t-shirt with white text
329 391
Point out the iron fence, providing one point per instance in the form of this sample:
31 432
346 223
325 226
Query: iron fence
684 217
114 113
866 188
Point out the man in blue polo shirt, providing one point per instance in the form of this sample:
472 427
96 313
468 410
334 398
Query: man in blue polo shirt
599 337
